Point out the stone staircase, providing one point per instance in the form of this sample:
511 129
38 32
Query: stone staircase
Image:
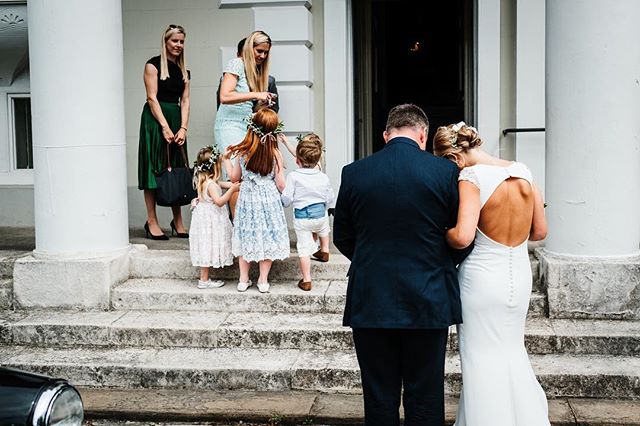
163 332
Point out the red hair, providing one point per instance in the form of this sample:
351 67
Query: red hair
259 151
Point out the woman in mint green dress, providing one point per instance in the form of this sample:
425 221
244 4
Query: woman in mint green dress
244 80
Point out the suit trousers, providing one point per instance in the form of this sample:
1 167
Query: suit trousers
393 360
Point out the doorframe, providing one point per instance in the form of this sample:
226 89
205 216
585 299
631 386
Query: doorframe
363 105
338 87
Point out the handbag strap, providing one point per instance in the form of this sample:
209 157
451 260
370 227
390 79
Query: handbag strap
184 157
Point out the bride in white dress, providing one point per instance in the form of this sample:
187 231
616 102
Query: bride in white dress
501 208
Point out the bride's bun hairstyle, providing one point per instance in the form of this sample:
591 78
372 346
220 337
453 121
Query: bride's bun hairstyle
455 138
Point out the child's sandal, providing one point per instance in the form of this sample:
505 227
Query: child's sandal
322 256
304 285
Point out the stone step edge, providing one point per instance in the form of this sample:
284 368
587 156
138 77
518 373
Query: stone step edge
57 329
146 358
305 407
132 284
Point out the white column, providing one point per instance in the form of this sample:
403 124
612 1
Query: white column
591 264
77 92
338 89
593 130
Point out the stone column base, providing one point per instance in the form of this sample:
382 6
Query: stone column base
583 287
79 283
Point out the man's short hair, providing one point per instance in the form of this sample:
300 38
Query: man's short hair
407 115
240 47
309 150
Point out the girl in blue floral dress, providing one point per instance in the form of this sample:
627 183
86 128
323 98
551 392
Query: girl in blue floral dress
260 229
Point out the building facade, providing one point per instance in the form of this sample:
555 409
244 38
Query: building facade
503 65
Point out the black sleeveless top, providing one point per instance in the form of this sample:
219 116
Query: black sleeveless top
171 89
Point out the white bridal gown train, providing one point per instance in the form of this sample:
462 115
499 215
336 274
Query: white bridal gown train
499 386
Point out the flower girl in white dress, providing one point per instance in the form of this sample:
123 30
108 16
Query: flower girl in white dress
501 208
211 230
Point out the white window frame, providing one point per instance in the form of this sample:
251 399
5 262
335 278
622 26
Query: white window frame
15 176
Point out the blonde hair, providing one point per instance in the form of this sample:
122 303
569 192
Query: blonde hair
454 139
257 75
206 168
180 61
309 150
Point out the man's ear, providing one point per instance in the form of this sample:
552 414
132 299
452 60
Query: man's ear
385 136
423 135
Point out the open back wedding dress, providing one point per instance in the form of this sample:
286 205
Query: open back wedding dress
499 386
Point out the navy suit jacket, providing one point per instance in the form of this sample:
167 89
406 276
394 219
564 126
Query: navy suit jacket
391 215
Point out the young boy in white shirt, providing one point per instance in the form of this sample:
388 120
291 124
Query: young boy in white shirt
310 192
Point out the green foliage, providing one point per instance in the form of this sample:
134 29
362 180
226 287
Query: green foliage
275 419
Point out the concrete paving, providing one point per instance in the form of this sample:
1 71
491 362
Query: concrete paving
301 408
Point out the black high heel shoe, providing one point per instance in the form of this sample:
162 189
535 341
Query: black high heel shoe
178 234
149 235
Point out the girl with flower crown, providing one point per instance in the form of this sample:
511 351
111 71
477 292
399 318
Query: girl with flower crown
210 233
260 231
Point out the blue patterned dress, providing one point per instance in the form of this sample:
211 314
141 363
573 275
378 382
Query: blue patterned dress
260 228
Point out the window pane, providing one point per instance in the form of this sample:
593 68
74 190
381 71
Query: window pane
22 126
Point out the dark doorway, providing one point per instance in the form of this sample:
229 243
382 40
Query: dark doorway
407 51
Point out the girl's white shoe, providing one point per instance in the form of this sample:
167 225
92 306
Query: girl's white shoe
263 287
244 286
210 284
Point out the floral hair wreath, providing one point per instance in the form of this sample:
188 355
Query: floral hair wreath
260 132
207 166
453 138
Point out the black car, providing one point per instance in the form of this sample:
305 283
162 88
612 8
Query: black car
37 400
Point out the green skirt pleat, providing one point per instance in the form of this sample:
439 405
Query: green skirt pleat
152 148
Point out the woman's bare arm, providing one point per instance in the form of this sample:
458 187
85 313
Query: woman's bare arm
468 215
539 221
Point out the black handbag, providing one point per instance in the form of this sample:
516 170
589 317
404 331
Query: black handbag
175 185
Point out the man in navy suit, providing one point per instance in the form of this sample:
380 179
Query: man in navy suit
392 211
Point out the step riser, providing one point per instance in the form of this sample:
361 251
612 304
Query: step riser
292 303
336 339
177 268
325 380
227 303
6 293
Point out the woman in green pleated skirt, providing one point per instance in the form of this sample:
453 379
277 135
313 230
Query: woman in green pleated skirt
164 121
152 149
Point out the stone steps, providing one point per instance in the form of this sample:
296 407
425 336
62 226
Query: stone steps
6 293
326 296
589 376
7 259
269 330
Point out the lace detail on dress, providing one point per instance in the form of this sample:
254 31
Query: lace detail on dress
210 232
260 228
469 175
